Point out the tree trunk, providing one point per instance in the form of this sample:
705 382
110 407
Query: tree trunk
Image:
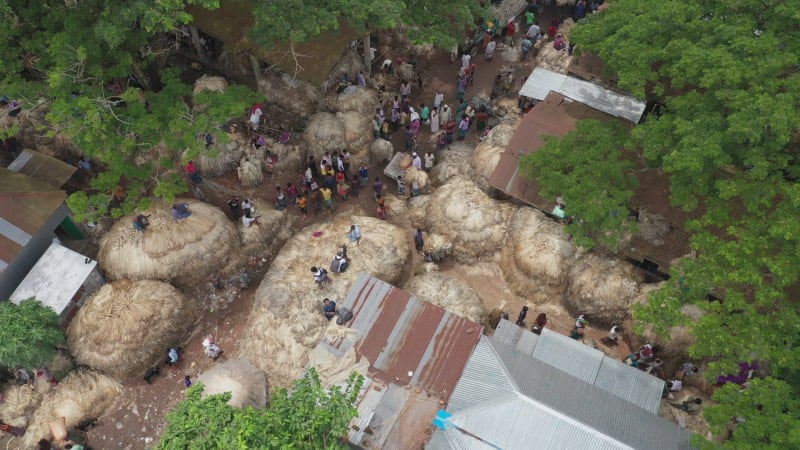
196 41
256 69
367 60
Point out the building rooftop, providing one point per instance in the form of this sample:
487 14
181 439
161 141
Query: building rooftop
43 168
25 206
56 278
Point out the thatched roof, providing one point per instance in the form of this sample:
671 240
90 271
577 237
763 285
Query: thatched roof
183 250
286 320
241 378
126 326
81 395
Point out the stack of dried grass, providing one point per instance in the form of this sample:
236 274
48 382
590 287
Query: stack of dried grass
448 293
438 246
324 133
487 153
183 251
271 226
286 320
357 134
218 161
126 326
603 288
454 161
551 59
417 210
652 227
289 93
467 217
19 402
395 206
536 257
209 83
358 99
351 63
506 108
241 378
413 175
380 151
81 395
290 157
405 72
250 169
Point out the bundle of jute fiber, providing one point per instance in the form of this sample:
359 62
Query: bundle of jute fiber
80 395
413 175
466 216
551 59
335 369
127 326
19 402
357 131
405 72
603 288
454 161
324 133
350 63
250 171
506 108
417 210
219 160
487 153
438 246
380 151
289 93
537 256
287 157
449 293
270 226
241 378
652 227
286 319
184 251
358 99
209 83
395 206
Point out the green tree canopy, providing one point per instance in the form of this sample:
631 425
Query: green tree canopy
29 334
588 160
307 416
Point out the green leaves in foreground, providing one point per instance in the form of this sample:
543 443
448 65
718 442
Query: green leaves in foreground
29 334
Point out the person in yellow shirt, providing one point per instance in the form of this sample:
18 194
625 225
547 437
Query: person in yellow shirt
327 198
301 203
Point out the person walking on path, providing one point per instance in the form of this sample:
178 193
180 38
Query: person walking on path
435 120
419 241
377 187
462 127
355 234
438 99
465 58
522 314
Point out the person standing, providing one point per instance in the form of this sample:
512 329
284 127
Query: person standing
255 116
522 314
233 204
462 127
405 90
377 187
187 381
362 80
416 161
301 203
526 47
444 116
429 161
530 18
533 31
435 120
511 29
438 99
363 172
489 52
449 130
419 242
355 234
539 323
424 113
465 58
328 308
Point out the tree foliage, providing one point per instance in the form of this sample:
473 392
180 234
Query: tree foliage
307 416
727 76
29 334
588 160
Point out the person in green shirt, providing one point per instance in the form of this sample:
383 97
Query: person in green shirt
529 18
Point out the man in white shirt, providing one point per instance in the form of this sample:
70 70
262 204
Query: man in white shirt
465 60
533 31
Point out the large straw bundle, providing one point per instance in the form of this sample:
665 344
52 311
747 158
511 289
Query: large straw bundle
453 162
19 402
290 157
289 93
127 326
358 99
556 60
286 319
506 108
179 250
380 151
350 63
487 154
473 222
449 293
209 83
250 170
412 175
324 133
405 72
537 256
357 131
395 206
218 161
438 246
241 378
418 210
602 288
652 227
81 395
269 227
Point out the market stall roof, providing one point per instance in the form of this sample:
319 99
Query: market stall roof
542 81
42 167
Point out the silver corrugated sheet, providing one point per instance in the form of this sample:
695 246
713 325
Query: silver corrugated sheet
542 81
14 233
568 355
635 386
439 441
482 380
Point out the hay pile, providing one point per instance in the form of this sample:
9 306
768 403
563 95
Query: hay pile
18 404
467 217
209 83
358 99
334 370
290 157
324 133
289 93
603 288
182 250
487 154
412 175
405 72
218 161
537 256
81 395
286 320
454 161
271 226
506 108
449 293
127 326
549 58
380 151
652 227
438 246
241 378
357 133
250 171
395 206
417 208
351 63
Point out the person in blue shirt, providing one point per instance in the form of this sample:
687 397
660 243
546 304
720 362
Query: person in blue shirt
328 308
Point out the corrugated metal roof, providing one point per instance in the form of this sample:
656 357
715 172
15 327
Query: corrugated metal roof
439 441
42 167
399 334
584 363
56 277
542 81
514 401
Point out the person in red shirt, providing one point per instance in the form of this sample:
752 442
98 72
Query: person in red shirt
511 28
552 31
